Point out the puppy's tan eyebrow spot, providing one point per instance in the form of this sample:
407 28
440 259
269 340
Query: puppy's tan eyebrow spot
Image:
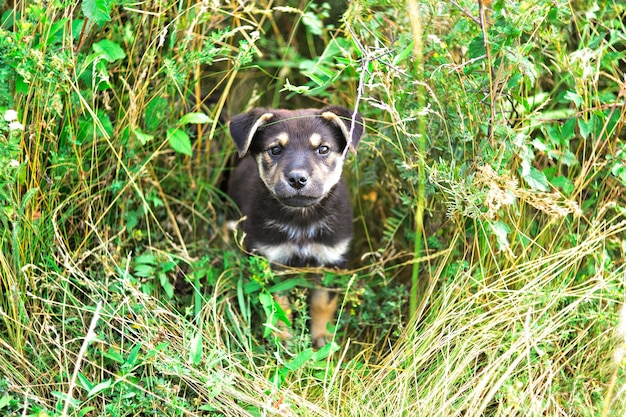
283 139
315 140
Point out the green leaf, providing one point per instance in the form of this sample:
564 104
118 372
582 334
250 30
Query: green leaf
313 23
145 258
179 140
74 402
27 197
563 183
98 10
574 98
100 387
326 351
476 47
84 382
299 361
5 400
131 361
273 310
144 270
568 131
288 284
110 50
501 231
404 54
155 113
92 128
568 158
585 127
536 179
142 137
166 285
195 349
195 118
113 355
86 410
554 134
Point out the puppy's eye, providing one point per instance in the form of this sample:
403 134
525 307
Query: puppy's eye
276 150
323 150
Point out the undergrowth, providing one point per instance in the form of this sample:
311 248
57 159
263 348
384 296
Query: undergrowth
487 273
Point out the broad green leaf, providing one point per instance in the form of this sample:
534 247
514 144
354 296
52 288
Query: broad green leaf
288 284
86 410
299 361
585 127
536 179
476 47
568 131
131 361
563 183
166 285
98 10
5 400
155 113
100 387
91 128
179 140
84 382
142 137
404 54
74 402
313 23
145 258
272 309
501 231
195 118
113 355
325 351
56 31
195 349
144 270
574 98
554 134
110 50
568 158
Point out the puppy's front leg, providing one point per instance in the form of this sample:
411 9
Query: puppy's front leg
323 306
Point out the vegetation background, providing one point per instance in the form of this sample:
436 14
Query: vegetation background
488 274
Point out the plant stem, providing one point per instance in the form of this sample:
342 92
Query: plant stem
91 334
418 72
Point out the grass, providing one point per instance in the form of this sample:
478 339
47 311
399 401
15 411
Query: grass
488 270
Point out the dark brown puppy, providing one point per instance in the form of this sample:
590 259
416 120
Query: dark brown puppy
290 190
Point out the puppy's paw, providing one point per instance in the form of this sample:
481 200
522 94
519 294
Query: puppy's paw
318 342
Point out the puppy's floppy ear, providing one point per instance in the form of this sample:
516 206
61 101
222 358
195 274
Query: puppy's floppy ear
244 126
350 123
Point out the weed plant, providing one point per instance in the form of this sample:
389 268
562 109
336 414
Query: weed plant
488 274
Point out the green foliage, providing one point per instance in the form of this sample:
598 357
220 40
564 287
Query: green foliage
487 272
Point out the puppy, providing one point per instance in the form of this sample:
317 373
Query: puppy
289 187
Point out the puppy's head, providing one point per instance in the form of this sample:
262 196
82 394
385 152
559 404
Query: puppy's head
299 153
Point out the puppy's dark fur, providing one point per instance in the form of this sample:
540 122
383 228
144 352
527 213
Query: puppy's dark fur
290 189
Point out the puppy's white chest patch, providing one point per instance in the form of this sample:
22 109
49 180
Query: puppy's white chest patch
323 254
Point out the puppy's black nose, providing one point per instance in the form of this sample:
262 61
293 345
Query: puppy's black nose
297 179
